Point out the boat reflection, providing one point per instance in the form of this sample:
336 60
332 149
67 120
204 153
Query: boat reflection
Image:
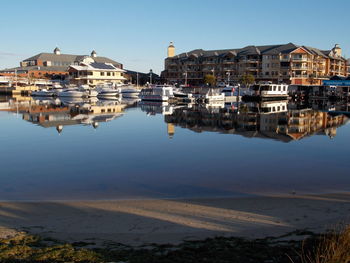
277 120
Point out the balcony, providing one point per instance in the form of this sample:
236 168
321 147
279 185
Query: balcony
300 67
285 59
305 59
304 76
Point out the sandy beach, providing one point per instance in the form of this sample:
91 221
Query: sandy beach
136 222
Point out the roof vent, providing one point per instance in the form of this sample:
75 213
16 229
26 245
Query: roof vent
57 51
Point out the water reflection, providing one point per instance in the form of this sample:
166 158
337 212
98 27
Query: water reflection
58 113
283 121
276 120
218 149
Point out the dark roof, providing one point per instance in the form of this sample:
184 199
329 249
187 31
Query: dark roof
256 50
101 65
106 60
248 50
280 49
70 58
33 68
315 51
53 57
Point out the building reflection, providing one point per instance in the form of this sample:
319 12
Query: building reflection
276 120
49 113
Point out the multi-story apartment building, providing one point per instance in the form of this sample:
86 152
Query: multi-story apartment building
287 63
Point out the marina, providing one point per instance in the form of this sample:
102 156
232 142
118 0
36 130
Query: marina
122 132
175 132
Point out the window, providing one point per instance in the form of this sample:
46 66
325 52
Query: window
279 88
108 73
103 110
102 73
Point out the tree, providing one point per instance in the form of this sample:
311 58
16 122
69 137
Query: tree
247 79
312 79
210 80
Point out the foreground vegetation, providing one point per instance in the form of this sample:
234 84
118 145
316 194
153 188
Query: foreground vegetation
330 248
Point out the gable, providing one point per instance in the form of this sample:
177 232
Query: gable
300 50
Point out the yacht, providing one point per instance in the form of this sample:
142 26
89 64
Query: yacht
72 93
106 92
130 92
88 91
214 95
269 90
157 93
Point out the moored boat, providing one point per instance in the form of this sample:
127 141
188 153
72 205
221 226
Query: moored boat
105 92
269 90
157 93
72 93
130 92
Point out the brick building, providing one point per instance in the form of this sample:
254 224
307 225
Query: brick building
288 63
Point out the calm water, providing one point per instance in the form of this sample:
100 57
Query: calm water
54 150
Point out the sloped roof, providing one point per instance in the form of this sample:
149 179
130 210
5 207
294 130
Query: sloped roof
33 68
256 50
70 58
316 51
97 66
248 50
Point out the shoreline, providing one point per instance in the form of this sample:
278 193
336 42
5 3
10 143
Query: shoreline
136 222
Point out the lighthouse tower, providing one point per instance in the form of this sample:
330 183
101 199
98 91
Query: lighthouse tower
171 50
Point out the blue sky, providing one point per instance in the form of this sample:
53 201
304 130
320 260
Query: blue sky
137 33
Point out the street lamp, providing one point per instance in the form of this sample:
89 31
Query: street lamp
228 77
137 79
150 76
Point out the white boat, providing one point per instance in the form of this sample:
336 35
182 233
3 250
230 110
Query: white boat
157 93
72 93
214 95
105 92
269 90
88 91
43 93
130 93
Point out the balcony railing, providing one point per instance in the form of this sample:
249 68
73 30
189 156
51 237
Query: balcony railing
299 59
301 68
300 76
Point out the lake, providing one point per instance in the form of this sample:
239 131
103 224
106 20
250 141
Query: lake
105 150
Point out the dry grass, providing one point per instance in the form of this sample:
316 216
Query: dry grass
332 248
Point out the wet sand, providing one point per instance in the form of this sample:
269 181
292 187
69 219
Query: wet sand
136 222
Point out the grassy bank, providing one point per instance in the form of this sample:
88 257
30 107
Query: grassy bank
313 249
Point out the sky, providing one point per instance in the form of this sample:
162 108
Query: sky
136 33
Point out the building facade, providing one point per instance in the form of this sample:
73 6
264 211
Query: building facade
53 65
286 63
92 73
